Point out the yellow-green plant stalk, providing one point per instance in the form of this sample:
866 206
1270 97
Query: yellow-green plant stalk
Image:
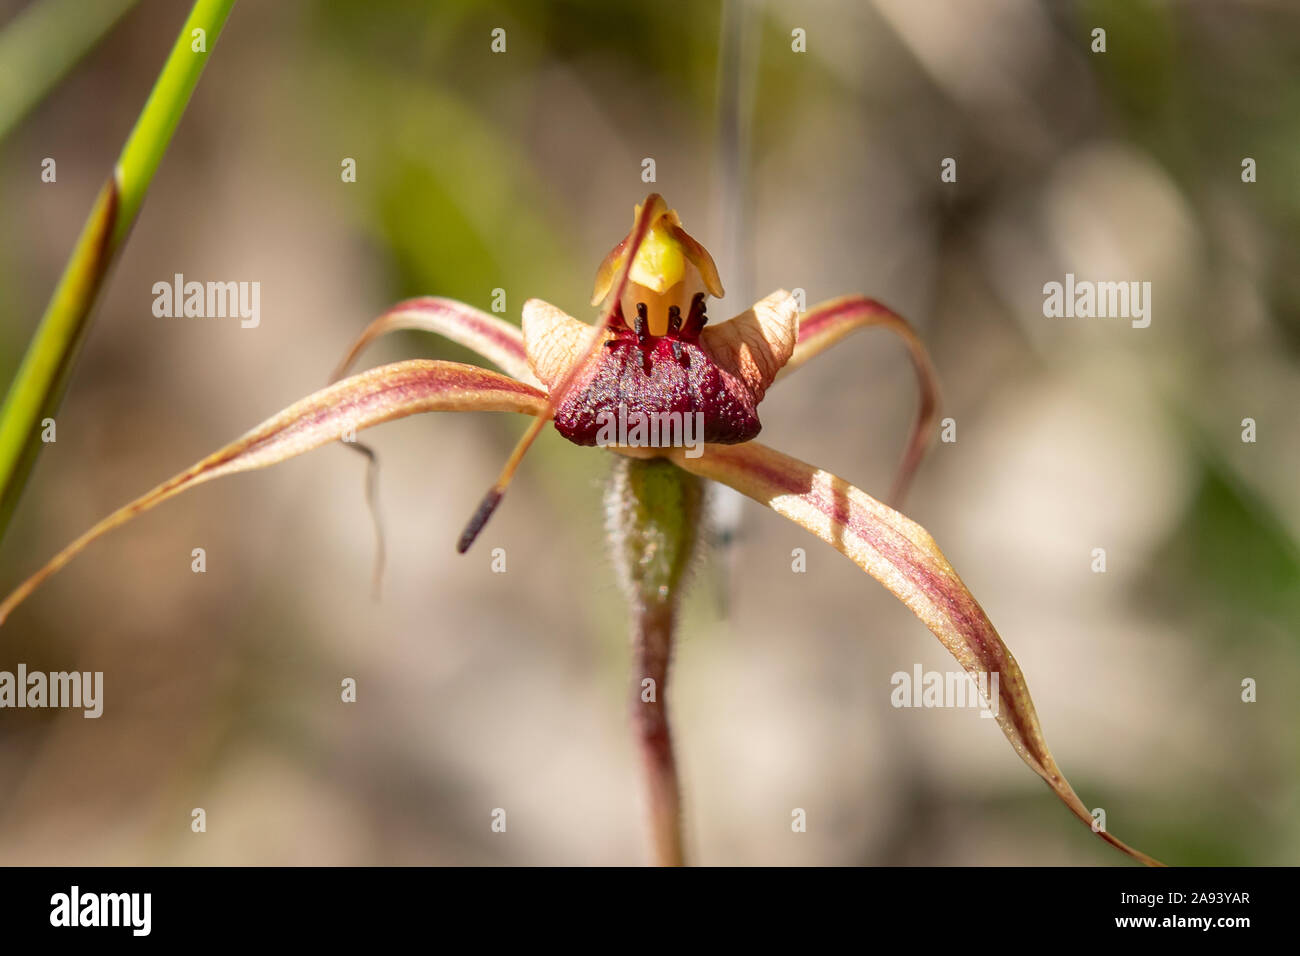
37 388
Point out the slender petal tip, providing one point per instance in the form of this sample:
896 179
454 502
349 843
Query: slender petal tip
480 518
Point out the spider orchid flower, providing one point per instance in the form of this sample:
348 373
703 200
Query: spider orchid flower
651 354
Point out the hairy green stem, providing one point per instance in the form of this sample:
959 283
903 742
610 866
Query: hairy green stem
37 388
653 511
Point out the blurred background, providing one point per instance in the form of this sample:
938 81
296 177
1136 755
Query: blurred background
819 170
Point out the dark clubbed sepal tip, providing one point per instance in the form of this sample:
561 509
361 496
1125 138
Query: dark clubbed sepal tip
498 489
481 515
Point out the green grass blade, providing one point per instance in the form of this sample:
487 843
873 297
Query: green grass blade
38 385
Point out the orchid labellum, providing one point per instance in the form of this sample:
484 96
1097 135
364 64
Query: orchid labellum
653 355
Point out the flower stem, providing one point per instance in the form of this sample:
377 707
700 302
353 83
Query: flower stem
653 512
652 649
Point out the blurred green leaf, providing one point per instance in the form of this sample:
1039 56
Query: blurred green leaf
40 45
